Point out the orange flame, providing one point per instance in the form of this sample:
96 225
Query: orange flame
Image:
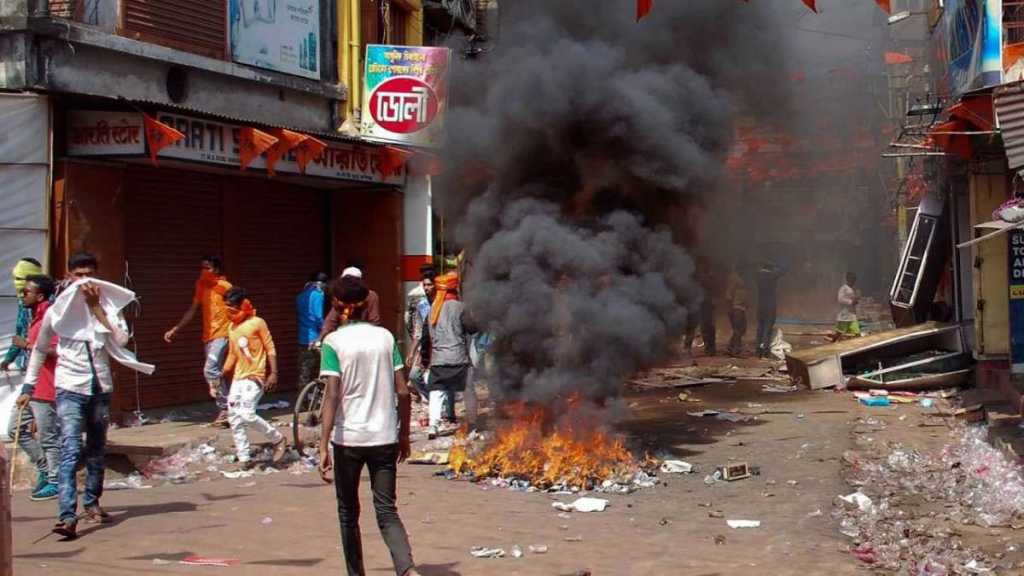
574 452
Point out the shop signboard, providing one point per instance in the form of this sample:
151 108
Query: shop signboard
93 133
1016 275
281 35
406 94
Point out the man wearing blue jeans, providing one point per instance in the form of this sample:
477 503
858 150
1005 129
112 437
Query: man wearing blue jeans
84 384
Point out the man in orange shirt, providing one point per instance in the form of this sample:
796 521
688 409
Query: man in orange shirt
209 297
250 350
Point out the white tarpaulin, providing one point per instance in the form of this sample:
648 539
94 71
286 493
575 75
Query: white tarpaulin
24 194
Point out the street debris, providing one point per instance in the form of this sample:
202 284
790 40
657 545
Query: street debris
517 552
236 474
735 524
703 413
267 521
131 482
429 458
276 405
676 467
969 483
204 561
573 539
538 549
482 552
585 504
733 472
875 401
779 388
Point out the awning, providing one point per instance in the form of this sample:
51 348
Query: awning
1009 105
999 228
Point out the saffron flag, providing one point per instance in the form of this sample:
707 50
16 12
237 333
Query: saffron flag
642 8
253 143
885 5
810 4
286 140
307 150
159 136
391 159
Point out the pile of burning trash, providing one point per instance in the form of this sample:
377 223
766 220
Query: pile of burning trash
533 450
910 510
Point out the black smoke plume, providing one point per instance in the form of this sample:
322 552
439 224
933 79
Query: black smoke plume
580 143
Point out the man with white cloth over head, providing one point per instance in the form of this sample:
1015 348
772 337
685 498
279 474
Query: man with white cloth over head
87 319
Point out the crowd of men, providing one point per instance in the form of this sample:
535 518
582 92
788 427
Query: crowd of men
67 333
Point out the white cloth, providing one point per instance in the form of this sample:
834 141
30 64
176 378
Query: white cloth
79 334
438 401
242 402
847 308
352 271
365 358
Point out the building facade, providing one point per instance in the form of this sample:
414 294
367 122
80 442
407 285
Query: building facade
76 78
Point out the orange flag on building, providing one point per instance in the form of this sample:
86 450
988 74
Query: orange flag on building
159 136
391 159
253 143
286 140
885 5
810 4
643 7
307 150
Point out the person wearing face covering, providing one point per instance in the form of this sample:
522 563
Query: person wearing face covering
209 298
17 354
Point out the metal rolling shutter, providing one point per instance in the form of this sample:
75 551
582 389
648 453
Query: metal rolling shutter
197 26
173 218
281 242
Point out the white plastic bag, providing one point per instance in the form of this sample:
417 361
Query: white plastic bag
10 388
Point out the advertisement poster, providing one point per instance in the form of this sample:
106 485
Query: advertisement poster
406 94
281 35
1016 273
970 37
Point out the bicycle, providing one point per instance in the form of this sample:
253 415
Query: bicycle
308 409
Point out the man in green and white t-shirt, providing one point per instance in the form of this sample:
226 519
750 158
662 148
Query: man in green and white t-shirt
365 422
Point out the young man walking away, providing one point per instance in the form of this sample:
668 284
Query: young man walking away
309 309
37 402
91 330
251 350
365 423
209 298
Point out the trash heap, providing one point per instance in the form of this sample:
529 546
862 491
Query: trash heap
910 510
193 463
531 452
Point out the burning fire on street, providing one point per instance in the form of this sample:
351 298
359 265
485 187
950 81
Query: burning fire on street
536 448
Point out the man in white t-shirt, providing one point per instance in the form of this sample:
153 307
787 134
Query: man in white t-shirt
365 422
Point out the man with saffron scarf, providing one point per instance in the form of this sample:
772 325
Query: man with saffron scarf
333 320
449 352
250 350
17 354
209 297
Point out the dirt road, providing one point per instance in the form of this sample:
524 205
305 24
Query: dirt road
286 524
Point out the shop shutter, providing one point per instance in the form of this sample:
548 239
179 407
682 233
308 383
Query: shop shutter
173 218
197 26
281 241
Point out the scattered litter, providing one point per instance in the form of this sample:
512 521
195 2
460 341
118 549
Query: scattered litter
431 458
278 405
719 539
235 475
664 522
733 472
743 523
875 401
585 504
564 515
859 499
676 467
734 417
716 514
779 388
703 413
517 552
538 549
204 561
267 521
815 514
712 478
573 539
482 552
927 403
247 485
132 482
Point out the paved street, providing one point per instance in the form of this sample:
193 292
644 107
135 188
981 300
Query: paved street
797 440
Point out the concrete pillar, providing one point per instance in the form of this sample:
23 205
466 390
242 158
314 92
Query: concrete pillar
417 233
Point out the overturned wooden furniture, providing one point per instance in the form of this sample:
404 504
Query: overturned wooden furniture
893 359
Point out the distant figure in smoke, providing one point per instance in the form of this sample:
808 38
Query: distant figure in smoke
738 296
847 324
449 352
767 304
709 282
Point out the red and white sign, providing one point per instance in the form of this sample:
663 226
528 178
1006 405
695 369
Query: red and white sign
406 94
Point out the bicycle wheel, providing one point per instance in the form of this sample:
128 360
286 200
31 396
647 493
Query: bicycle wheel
307 410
